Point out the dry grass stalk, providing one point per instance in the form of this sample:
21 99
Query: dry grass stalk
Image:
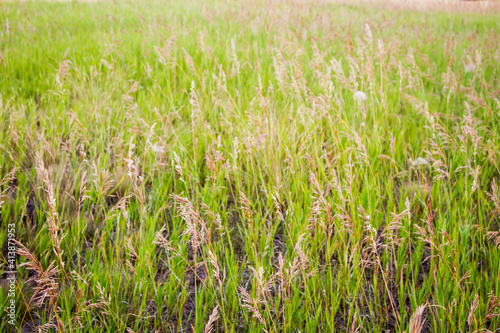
469 131
46 284
132 254
212 257
253 305
211 320
177 165
53 216
64 67
45 279
190 63
246 206
472 311
493 304
300 253
417 321
193 222
495 195
194 102
162 241
127 98
164 54
101 178
8 178
373 248
277 205
216 218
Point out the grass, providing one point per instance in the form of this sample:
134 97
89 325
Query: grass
211 166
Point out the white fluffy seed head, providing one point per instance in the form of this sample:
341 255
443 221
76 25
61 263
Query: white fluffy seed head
419 161
359 96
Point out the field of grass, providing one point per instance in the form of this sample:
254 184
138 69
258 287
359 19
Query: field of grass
248 166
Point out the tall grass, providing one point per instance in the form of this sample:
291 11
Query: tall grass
248 166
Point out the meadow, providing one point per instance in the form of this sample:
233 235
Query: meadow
248 166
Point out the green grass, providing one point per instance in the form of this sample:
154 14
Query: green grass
207 155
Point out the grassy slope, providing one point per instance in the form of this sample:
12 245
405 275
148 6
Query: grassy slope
292 185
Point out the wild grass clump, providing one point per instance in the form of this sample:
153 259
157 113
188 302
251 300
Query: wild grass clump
248 166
